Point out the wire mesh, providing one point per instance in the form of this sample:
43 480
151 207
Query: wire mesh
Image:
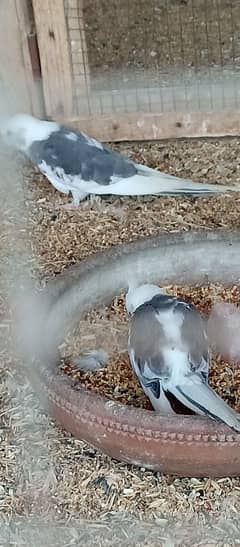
156 56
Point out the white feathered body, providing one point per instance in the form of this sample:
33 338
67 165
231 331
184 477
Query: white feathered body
74 162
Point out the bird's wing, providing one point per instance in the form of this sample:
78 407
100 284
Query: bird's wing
194 336
146 337
197 395
75 155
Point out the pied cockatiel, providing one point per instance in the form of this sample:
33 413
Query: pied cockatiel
76 163
169 353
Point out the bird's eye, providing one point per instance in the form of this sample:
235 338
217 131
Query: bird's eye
9 133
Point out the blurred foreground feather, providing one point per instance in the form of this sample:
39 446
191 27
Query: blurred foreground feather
224 330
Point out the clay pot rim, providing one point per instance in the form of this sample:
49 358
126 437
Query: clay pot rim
217 430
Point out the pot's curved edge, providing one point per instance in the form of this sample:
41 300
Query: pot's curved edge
71 273
189 446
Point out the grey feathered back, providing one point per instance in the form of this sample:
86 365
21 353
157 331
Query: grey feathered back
147 335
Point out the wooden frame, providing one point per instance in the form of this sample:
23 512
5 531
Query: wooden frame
55 56
142 126
18 87
59 47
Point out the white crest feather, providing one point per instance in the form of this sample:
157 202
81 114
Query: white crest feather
22 130
136 296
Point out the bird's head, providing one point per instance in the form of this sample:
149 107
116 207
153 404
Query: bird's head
22 130
15 131
136 296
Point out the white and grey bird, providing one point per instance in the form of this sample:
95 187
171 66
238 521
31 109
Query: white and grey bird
169 353
78 164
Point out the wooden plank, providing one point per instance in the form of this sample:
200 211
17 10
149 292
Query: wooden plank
17 89
167 125
55 56
26 30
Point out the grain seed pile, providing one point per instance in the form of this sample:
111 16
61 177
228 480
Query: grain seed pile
44 472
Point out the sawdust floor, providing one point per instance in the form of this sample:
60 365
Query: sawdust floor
45 473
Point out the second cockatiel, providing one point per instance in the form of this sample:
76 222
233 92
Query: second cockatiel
76 163
168 350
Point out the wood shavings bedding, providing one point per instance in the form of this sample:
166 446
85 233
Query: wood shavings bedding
45 472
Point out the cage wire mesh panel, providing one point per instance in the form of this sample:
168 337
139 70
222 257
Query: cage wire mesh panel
155 56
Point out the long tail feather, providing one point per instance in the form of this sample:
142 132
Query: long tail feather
202 399
152 182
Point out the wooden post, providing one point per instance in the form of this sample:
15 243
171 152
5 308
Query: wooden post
25 25
19 92
55 57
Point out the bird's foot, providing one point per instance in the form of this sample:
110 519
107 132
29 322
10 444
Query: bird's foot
92 202
77 201
91 361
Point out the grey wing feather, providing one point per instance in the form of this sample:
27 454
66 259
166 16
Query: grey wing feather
145 339
202 399
81 156
194 334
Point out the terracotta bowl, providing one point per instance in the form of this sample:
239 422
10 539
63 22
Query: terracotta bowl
181 445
